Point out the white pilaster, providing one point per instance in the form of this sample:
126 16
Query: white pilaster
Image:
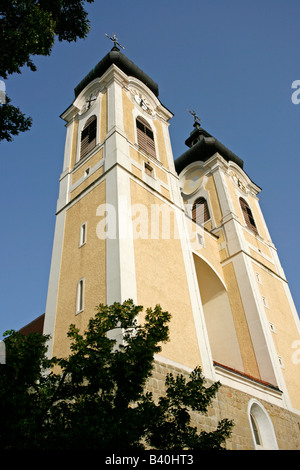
198 313
120 268
53 284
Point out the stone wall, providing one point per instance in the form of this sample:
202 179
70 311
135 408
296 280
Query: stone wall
233 404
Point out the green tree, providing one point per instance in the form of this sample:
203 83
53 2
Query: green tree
29 28
24 389
97 399
12 121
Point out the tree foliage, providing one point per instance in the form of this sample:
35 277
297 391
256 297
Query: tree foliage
29 28
96 399
12 121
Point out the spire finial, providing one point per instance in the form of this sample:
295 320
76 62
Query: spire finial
197 120
115 40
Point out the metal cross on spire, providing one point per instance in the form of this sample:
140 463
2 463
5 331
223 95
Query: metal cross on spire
197 120
115 40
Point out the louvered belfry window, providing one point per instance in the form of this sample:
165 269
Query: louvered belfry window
248 216
88 136
200 211
145 136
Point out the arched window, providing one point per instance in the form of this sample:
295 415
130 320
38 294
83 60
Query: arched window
200 211
248 216
255 430
145 136
88 136
261 427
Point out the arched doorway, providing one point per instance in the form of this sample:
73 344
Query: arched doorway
218 317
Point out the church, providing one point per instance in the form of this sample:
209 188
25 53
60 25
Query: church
186 232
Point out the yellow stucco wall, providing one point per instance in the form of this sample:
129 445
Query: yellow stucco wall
136 172
74 144
129 124
241 326
232 192
165 192
161 279
214 200
258 221
103 118
286 334
261 259
257 243
140 158
87 182
79 172
252 201
160 144
160 173
87 261
210 250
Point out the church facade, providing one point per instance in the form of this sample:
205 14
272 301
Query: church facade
187 234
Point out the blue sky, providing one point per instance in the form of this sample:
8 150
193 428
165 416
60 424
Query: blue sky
232 61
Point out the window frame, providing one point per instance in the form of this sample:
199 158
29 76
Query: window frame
248 215
88 136
149 170
263 423
258 278
80 296
82 234
256 432
145 136
265 301
206 211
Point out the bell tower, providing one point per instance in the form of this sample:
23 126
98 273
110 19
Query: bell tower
120 224
189 234
254 326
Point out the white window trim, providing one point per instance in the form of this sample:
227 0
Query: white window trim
197 195
265 302
200 239
136 113
147 164
280 360
244 218
265 425
80 296
83 118
82 235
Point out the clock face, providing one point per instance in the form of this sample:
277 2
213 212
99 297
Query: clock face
141 102
138 99
90 100
237 181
